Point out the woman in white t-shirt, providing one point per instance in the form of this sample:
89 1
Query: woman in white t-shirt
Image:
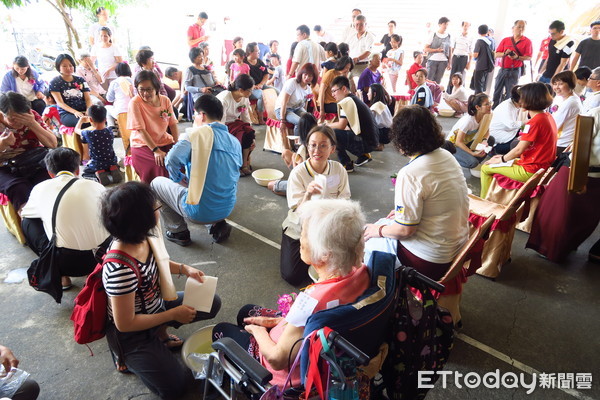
431 211
463 132
94 30
317 177
459 97
295 94
567 106
107 55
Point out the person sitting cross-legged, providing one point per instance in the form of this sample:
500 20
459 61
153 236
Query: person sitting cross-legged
355 131
206 192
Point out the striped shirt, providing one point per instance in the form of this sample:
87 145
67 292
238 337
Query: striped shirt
119 280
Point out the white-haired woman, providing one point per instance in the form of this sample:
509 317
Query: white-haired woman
332 242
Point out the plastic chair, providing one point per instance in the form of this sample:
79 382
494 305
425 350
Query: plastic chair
11 219
276 132
503 189
497 249
466 262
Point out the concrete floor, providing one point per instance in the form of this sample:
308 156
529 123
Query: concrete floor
536 315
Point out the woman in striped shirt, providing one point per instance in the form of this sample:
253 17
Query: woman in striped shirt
138 314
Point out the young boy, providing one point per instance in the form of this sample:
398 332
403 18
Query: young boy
418 56
423 96
278 74
51 116
98 145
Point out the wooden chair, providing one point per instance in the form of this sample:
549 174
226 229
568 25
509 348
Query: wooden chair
496 251
463 266
503 189
11 219
276 133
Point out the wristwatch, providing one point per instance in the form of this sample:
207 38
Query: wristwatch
154 149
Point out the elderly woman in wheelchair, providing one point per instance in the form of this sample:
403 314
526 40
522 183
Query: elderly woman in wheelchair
332 242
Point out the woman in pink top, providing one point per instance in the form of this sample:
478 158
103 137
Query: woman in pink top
148 117
269 335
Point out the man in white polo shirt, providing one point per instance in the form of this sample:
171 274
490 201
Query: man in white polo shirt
79 230
461 56
360 44
307 51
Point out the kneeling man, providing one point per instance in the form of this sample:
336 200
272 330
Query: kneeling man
206 192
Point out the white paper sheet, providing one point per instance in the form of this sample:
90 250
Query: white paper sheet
301 309
200 295
509 163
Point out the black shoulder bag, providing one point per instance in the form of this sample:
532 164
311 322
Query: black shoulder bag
523 69
44 273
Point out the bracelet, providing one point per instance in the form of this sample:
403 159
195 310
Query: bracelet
180 268
154 149
502 158
381 230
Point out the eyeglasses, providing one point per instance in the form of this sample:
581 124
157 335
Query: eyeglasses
146 90
314 146
158 207
334 90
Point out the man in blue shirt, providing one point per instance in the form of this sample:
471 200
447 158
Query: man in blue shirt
206 192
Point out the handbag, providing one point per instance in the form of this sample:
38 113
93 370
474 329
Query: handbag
421 338
29 163
44 273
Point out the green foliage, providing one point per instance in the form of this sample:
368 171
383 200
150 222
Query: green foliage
84 5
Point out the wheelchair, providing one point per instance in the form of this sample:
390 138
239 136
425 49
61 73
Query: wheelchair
351 338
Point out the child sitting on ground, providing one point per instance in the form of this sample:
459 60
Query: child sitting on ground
239 66
410 82
423 96
51 116
98 145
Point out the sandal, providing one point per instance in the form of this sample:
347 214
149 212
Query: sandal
120 366
172 342
245 171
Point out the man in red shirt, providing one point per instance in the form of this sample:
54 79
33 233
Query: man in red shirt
543 53
195 33
513 50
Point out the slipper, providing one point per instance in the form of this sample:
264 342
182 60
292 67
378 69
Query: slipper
67 287
172 342
121 367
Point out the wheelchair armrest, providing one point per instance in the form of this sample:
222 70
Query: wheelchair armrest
339 342
243 360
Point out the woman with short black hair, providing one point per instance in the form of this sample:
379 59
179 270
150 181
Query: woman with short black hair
25 80
143 303
537 142
565 109
430 217
21 131
71 92
465 129
150 117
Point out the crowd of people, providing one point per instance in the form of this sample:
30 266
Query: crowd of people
334 98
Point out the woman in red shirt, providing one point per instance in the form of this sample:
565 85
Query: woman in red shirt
537 141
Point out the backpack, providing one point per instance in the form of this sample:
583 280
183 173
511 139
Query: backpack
90 312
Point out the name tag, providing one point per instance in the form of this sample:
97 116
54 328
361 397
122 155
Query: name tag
420 94
526 128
